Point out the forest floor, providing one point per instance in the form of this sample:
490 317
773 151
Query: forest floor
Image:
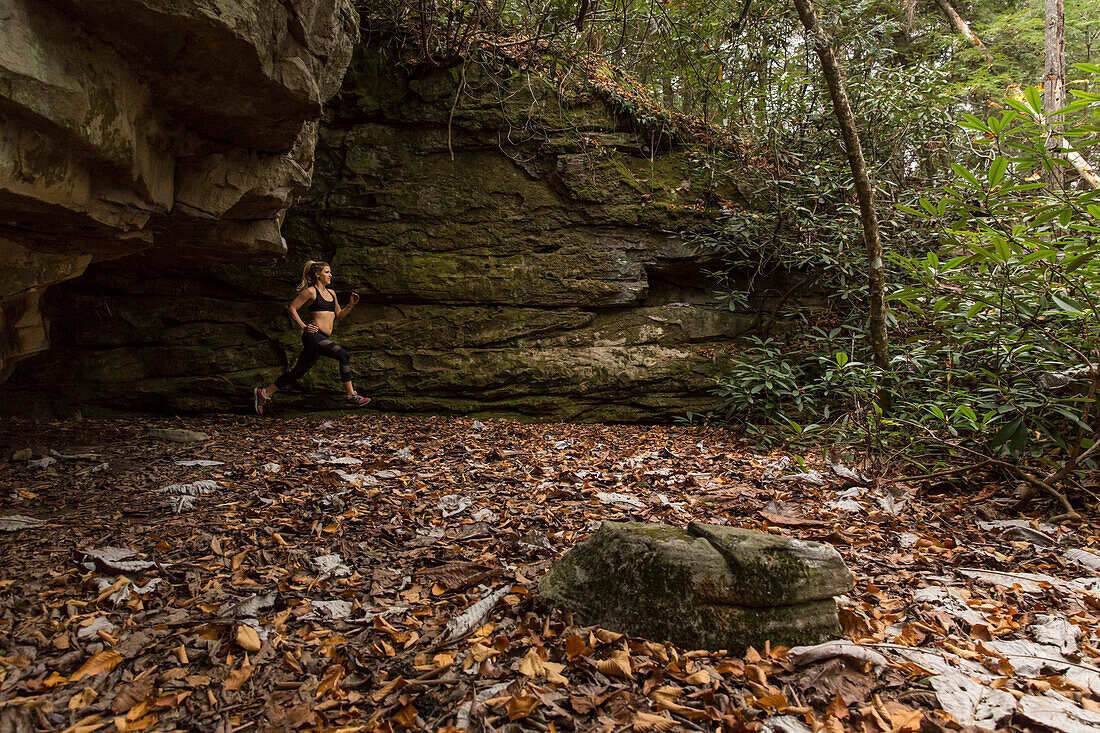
301 575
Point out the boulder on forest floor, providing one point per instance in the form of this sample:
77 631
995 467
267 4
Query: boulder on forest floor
706 586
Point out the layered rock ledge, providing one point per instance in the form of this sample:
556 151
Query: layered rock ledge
127 125
518 250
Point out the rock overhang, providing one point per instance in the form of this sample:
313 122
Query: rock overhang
139 124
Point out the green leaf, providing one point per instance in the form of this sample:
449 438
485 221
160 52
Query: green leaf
1007 431
1091 68
1034 100
997 171
973 123
910 210
1022 108
1067 303
1072 107
1044 217
1079 260
965 175
1090 96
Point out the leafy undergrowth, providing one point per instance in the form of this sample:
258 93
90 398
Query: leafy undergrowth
320 576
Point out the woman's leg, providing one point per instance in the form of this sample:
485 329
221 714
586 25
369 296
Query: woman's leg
309 356
333 350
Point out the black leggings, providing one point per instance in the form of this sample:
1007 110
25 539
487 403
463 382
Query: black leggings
314 346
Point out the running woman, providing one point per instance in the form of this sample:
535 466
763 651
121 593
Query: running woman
324 311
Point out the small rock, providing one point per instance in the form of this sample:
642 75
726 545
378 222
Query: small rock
178 435
23 454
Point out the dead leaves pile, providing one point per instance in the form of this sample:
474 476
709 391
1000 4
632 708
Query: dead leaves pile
380 573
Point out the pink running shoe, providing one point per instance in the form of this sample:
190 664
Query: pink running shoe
259 399
358 400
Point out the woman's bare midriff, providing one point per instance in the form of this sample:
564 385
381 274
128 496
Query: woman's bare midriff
324 321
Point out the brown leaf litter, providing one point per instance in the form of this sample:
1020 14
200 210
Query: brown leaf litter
379 573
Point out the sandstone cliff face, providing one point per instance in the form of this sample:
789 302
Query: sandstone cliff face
126 125
535 273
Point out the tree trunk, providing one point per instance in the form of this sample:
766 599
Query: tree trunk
1054 62
1054 74
957 21
1054 91
876 274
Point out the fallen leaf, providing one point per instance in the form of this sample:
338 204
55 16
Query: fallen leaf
616 665
406 716
521 706
837 708
99 662
644 722
247 638
82 699
531 665
238 677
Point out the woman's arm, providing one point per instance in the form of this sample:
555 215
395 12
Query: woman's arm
306 296
341 312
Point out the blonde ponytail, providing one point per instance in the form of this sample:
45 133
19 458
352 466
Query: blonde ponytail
310 272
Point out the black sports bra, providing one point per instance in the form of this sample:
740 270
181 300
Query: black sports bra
320 304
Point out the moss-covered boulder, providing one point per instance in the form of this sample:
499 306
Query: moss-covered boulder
706 587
